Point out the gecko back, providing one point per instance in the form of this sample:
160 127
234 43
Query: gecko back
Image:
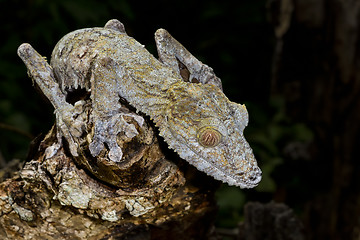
195 118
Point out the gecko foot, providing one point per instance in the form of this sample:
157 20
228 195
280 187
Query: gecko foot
174 55
116 25
70 125
106 131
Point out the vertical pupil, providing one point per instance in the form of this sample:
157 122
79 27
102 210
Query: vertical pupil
209 137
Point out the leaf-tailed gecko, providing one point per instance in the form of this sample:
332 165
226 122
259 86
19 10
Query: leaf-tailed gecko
192 113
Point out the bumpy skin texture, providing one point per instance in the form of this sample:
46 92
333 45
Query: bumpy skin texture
192 113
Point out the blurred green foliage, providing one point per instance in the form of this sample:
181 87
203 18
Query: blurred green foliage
269 136
270 131
233 37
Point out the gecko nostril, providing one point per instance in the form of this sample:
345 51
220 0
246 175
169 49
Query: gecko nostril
252 178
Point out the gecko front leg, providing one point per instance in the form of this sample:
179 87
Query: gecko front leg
175 55
42 73
107 116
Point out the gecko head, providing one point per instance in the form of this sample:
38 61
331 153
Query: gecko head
206 129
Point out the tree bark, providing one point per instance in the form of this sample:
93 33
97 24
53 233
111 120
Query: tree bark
271 221
319 74
54 196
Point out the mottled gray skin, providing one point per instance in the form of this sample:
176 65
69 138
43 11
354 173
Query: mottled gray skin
195 119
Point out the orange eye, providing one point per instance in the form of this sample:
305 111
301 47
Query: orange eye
209 137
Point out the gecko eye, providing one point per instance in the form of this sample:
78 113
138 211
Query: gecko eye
209 137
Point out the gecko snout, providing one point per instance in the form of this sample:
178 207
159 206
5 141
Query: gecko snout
255 177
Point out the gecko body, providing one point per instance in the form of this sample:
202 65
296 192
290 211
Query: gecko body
193 115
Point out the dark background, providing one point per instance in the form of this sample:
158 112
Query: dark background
294 63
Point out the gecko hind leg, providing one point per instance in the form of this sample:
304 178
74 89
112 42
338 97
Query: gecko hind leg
177 57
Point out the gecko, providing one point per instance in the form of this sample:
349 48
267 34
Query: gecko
190 110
